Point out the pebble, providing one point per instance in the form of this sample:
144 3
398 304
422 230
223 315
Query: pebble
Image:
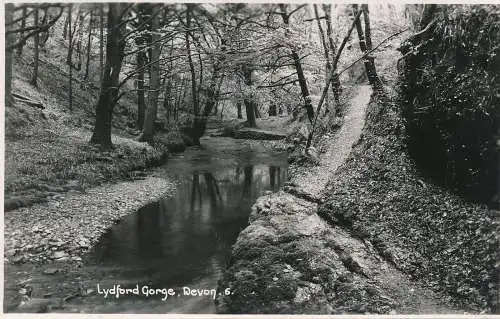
10 252
18 259
50 271
58 254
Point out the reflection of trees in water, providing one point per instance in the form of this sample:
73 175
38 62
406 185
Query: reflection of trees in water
182 235
213 189
148 229
195 190
247 181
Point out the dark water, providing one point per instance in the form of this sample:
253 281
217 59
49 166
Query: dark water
186 240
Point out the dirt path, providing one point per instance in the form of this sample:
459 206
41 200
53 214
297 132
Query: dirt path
314 179
289 260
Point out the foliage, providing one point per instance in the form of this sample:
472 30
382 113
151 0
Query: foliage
425 231
450 91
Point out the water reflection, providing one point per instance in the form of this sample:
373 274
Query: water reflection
187 238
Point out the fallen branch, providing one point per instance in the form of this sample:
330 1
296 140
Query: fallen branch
28 101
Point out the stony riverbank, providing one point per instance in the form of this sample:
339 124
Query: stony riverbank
66 227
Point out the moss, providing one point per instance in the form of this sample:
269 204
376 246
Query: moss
421 228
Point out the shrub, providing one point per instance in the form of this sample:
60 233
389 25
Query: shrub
450 91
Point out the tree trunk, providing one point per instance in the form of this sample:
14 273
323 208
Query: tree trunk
200 122
65 30
115 48
101 40
369 61
36 50
300 73
368 31
333 75
238 107
9 40
249 108
69 60
166 98
359 29
249 101
328 65
21 35
272 110
200 82
336 89
141 63
141 102
182 95
216 106
323 40
257 112
79 42
44 36
89 44
303 86
154 82
194 94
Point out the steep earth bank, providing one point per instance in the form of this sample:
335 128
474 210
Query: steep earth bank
300 255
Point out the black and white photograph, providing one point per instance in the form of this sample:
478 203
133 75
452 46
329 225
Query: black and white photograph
291 158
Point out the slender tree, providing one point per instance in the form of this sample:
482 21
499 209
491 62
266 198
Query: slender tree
79 41
44 34
298 67
66 27
141 64
326 48
23 25
36 50
194 94
70 58
9 41
249 99
238 108
154 82
89 45
323 40
23 34
368 60
368 30
336 88
333 75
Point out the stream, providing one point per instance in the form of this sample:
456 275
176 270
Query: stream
184 241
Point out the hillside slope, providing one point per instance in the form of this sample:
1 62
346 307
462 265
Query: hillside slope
47 150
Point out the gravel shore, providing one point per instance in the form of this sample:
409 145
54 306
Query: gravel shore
66 227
